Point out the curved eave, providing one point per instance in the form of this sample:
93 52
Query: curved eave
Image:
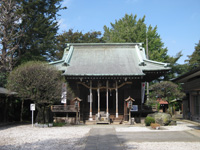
56 62
161 69
65 74
105 44
156 62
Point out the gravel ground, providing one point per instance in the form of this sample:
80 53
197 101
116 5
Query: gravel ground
162 146
181 126
26 137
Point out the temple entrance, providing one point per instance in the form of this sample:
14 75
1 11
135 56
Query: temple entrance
111 101
103 101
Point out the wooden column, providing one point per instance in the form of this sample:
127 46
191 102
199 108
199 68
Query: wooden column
90 116
107 98
98 93
116 100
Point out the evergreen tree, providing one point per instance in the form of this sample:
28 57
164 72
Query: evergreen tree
130 30
40 26
194 59
76 37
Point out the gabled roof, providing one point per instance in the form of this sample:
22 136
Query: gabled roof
106 59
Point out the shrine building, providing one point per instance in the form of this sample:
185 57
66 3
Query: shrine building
103 75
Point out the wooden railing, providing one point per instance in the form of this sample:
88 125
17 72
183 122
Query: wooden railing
63 108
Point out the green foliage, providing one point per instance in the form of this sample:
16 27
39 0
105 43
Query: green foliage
194 59
127 29
3 79
166 90
130 30
40 27
176 69
151 102
75 37
149 120
36 81
158 106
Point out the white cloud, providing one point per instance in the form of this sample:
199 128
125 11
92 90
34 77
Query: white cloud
66 2
63 26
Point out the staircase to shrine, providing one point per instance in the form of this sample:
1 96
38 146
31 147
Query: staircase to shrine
113 120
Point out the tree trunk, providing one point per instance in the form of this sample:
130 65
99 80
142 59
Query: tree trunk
39 114
22 109
44 114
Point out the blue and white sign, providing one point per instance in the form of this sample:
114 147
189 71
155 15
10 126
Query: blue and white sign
134 108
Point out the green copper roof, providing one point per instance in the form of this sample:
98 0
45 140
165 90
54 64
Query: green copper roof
106 59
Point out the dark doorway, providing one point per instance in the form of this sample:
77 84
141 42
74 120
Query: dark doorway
103 101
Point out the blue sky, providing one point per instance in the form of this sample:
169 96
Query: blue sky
178 21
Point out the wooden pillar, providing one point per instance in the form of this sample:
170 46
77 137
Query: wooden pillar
125 112
107 98
116 100
98 93
90 116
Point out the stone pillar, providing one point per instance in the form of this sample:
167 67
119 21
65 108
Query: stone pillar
107 99
90 116
116 99
98 93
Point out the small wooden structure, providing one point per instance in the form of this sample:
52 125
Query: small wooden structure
71 110
63 108
77 101
129 102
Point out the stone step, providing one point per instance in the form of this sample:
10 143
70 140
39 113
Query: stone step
88 122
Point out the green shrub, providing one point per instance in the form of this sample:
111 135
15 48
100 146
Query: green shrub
149 120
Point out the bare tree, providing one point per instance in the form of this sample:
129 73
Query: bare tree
9 33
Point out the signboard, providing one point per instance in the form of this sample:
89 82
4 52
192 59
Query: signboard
134 108
64 93
32 107
129 104
89 98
